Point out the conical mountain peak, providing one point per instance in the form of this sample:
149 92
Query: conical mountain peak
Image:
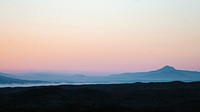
167 68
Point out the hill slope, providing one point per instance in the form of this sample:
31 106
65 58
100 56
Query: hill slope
166 73
8 80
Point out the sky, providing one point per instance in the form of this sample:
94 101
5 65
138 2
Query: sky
99 37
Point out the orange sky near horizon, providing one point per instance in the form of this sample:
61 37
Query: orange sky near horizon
98 37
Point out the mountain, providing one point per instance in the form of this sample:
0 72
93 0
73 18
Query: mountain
5 79
167 68
164 74
167 73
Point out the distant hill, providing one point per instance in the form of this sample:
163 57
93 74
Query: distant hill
166 73
5 79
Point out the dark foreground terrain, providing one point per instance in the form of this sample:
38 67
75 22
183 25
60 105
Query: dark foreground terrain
137 97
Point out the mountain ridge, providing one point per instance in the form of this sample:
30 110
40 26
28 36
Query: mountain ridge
166 73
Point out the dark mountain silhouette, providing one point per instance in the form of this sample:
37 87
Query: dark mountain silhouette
5 79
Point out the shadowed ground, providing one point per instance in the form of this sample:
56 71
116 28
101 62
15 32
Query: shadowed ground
137 97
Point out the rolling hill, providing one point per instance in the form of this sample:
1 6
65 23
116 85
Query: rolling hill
5 79
165 74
